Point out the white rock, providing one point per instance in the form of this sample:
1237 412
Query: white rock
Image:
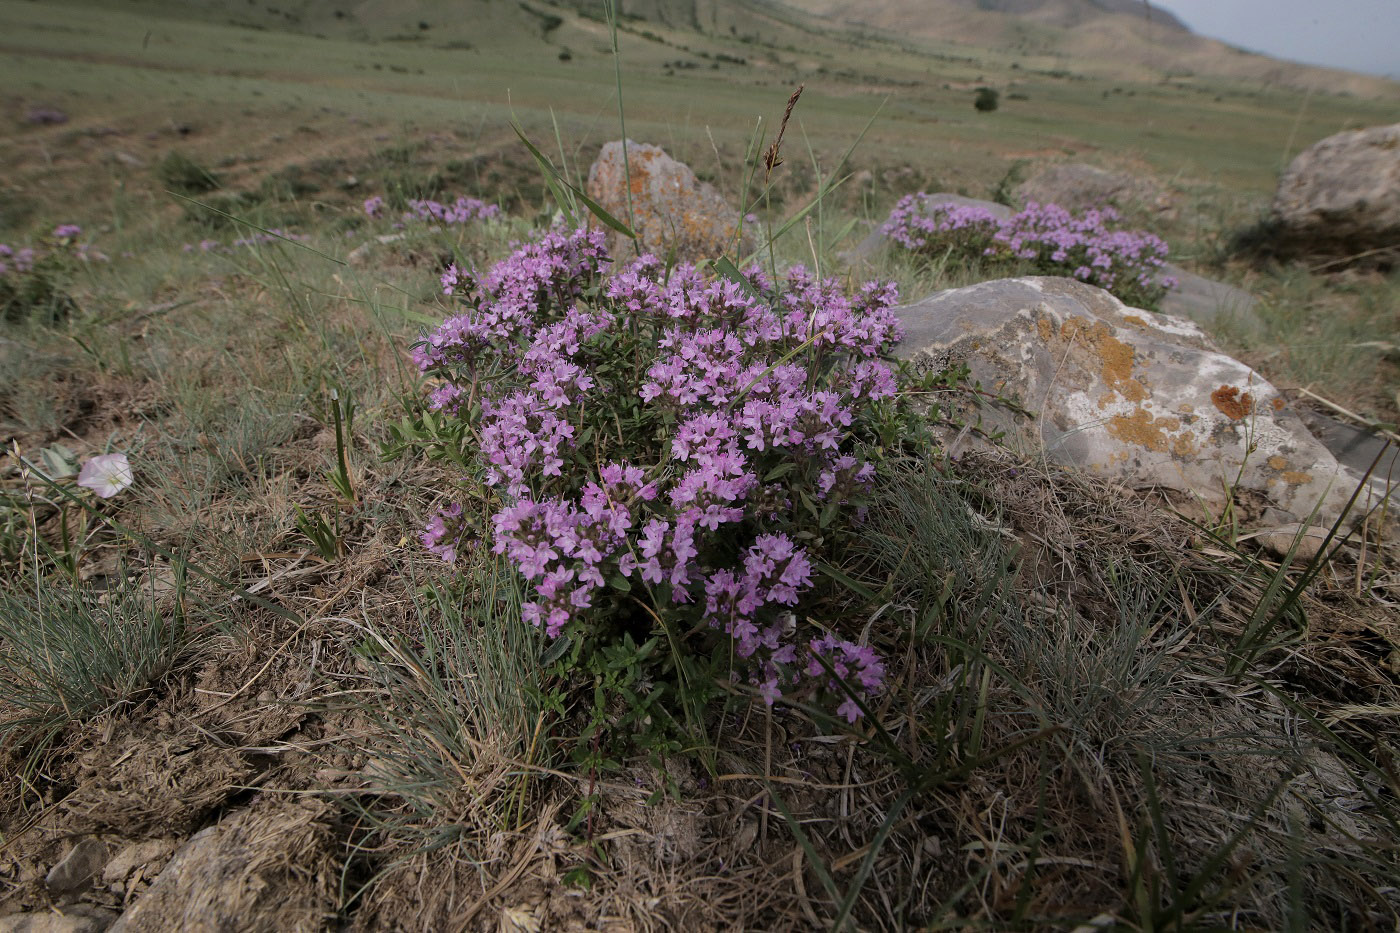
1135 397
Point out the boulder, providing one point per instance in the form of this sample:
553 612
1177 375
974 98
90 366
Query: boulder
1077 186
1138 398
671 209
1207 301
1341 197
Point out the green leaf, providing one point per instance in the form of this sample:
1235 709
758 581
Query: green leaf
860 589
555 180
579 877
725 267
551 177
779 471
601 214
556 650
618 582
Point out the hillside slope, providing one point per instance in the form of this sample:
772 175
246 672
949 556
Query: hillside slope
1120 38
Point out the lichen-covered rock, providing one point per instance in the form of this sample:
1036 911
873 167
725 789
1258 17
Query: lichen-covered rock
670 208
1341 196
1139 398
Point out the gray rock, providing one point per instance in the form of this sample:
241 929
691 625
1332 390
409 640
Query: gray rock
1077 186
75 918
1207 301
78 868
869 248
1138 398
1356 447
670 207
1341 196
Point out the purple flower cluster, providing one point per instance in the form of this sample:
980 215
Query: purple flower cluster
726 385
16 261
1087 246
59 247
461 211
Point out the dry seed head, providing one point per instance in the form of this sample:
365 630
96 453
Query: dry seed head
771 159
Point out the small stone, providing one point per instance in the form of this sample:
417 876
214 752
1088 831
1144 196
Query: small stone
77 869
1279 541
134 856
1206 301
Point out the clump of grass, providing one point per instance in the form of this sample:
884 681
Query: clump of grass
181 174
454 702
68 651
1161 786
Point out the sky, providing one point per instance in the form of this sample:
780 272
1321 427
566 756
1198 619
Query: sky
1360 35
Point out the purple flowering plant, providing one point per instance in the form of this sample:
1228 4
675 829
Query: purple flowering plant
463 210
33 279
668 458
1047 238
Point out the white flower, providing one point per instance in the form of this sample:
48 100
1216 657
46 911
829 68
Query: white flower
106 475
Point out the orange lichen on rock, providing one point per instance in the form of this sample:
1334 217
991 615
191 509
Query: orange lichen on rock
1115 356
1233 403
1278 463
665 204
1142 430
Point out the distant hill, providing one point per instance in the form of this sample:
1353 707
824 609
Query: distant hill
1070 13
1132 39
